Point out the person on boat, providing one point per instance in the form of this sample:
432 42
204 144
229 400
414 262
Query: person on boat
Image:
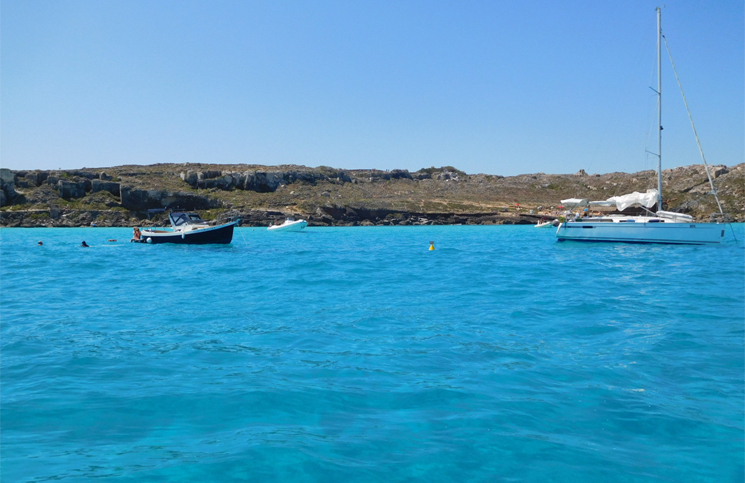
137 235
84 244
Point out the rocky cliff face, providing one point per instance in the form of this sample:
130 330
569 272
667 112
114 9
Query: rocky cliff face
142 200
255 180
326 196
7 187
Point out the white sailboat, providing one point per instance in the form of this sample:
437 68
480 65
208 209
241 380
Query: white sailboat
658 227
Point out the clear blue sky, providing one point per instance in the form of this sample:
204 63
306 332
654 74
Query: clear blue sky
499 86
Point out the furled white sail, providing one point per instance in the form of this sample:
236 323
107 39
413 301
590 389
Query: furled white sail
622 202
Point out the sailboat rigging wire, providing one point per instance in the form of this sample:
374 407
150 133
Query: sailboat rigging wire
700 149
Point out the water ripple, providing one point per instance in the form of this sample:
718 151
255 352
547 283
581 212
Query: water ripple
359 355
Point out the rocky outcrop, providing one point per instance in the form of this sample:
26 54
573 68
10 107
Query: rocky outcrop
354 216
7 187
257 180
63 218
143 200
333 215
373 175
69 189
262 181
98 185
30 179
82 174
328 196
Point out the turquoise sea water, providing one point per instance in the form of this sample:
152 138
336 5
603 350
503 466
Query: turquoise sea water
355 354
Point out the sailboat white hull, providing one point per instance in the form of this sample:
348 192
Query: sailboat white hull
670 233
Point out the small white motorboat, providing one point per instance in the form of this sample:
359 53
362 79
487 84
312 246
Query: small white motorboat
545 224
289 225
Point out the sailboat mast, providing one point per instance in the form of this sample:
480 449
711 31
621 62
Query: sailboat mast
659 109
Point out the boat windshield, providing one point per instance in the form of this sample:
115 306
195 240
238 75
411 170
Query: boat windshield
179 219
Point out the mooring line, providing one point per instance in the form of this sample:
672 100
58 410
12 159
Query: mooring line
244 236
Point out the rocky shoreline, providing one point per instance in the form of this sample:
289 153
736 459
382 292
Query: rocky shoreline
261 195
259 218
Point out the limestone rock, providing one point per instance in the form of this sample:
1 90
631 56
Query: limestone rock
7 176
37 177
71 189
98 185
7 186
190 177
446 175
142 200
262 181
717 171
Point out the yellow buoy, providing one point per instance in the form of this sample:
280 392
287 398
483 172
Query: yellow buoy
431 245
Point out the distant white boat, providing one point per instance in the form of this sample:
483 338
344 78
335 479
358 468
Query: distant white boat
658 227
545 224
289 225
